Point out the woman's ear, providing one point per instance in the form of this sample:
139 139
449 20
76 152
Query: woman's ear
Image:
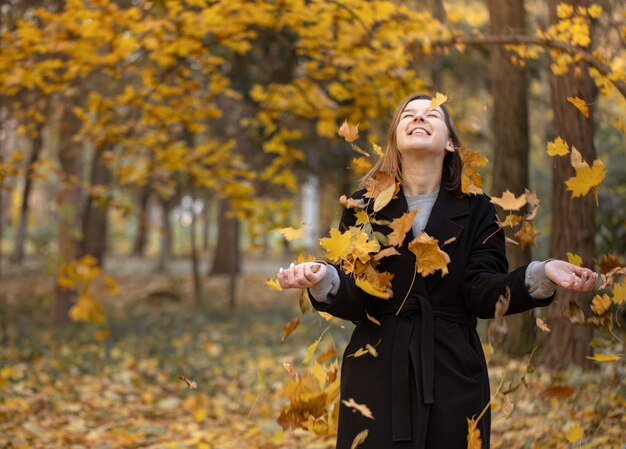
450 146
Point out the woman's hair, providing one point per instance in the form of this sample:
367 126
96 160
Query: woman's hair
391 161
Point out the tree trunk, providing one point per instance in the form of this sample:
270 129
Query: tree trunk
95 223
165 249
227 258
195 270
573 223
509 124
141 236
206 222
67 200
18 250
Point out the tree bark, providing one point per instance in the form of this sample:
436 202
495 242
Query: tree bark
18 250
206 222
95 223
141 236
165 249
227 258
509 124
573 223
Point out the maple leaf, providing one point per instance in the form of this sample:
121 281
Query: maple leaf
361 218
605 357
508 201
360 246
377 150
429 257
290 327
526 234
337 245
473 435
349 132
608 262
379 182
292 234
574 259
437 100
471 181
400 227
367 287
359 439
542 325
362 408
511 220
575 433
580 104
587 178
190 383
557 148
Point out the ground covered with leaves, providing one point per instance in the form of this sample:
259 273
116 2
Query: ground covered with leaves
173 375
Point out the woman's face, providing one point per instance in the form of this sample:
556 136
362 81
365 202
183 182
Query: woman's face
423 130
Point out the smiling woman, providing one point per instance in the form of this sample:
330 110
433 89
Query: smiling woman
429 376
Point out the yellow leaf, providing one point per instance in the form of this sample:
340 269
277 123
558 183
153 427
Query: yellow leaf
574 259
577 159
619 292
510 221
557 148
200 415
575 433
337 245
372 319
594 11
473 435
327 316
384 197
362 408
360 247
359 439
400 227
367 287
349 132
600 304
605 357
378 150
526 234
312 349
580 105
292 233
361 218
273 284
586 179
438 100
508 201
429 257
471 181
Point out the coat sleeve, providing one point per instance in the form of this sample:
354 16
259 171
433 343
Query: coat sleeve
486 277
350 301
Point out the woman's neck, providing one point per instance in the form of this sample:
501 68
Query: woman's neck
420 176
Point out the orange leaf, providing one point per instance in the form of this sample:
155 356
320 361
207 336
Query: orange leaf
349 132
391 251
526 234
580 105
367 287
473 435
471 181
400 227
379 182
290 327
429 257
508 201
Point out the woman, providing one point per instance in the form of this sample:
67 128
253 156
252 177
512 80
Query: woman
430 374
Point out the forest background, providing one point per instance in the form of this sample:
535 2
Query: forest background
151 151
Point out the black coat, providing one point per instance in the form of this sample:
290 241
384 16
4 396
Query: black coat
430 373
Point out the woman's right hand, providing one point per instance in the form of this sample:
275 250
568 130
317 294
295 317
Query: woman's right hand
303 275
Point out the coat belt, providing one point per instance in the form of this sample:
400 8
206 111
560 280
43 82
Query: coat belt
421 352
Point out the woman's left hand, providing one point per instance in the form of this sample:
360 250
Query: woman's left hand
570 276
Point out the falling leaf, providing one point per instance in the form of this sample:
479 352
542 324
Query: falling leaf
498 324
450 240
605 357
288 367
619 292
360 150
350 203
471 181
400 227
329 354
533 202
391 251
349 132
378 150
379 182
302 259
290 327
327 316
190 383
574 259
542 325
557 391
362 408
312 348
438 100
360 245
372 319
473 435
580 105
292 234
600 304
361 218
526 234
586 179
337 245
574 313
557 148
508 201
367 349
359 439
608 262
384 197
511 220
429 257
367 287
575 433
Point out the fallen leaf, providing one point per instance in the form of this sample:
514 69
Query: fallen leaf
557 391
190 383
349 132
437 101
429 257
362 408
508 201
557 148
580 104
542 325
575 433
290 327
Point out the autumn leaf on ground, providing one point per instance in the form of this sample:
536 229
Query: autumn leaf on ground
378 150
349 132
605 357
378 183
473 435
574 433
350 203
359 439
273 284
337 245
542 325
580 105
508 201
557 148
400 227
526 234
292 234
471 181
437 100
190 383
355 406
429 257
290 327
574 259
